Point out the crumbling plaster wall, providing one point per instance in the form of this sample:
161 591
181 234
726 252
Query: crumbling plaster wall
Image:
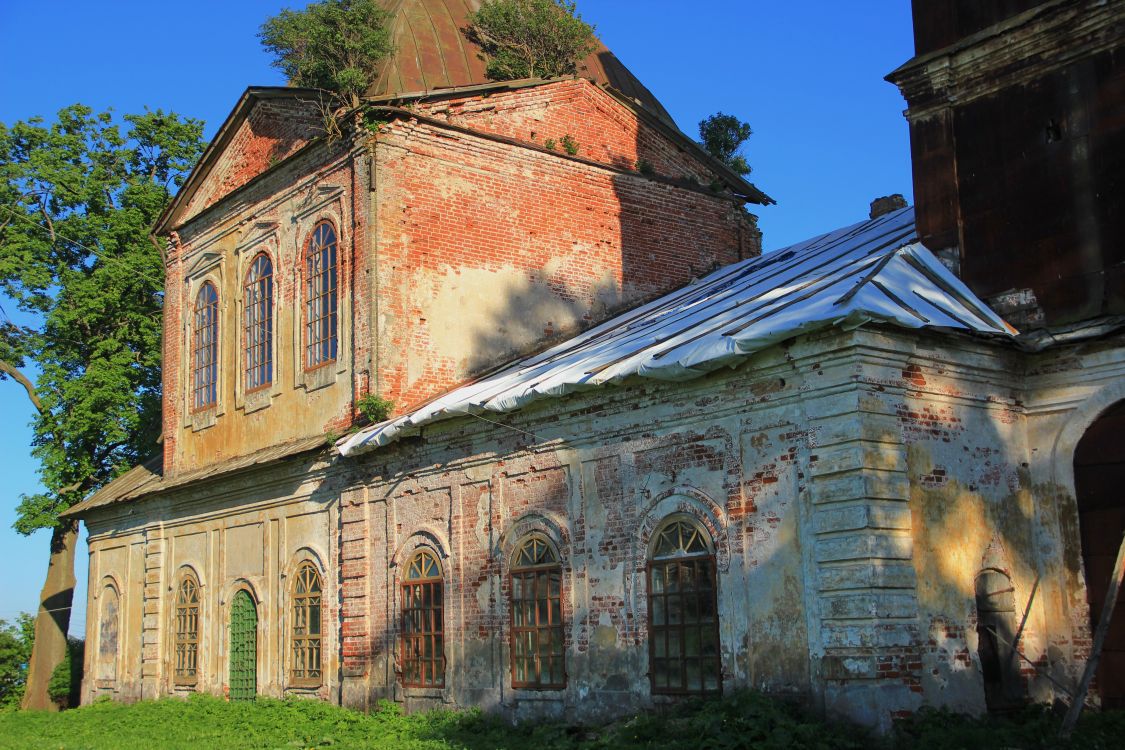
854 485
276 215
486 248
250 532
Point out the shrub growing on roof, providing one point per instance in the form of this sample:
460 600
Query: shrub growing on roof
531 38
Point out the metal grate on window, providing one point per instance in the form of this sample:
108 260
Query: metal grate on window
305 669
538 640
320 296
258 323
205 348
423 637
683 621
187 632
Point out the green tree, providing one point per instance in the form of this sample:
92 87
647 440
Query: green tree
334 45
15 654
723 136
77 200
531 38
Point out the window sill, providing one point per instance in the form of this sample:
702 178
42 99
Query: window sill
204 418
257 399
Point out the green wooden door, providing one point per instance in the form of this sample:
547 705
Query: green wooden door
243 648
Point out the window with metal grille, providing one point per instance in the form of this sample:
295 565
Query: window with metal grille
683 621
205 348
258 323
536 610
320 296
187 631
422 644
305 669
243 679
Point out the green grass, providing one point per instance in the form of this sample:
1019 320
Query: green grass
743 720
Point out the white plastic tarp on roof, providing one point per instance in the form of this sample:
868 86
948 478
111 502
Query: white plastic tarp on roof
874 271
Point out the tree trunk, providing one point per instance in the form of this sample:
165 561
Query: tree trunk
53 618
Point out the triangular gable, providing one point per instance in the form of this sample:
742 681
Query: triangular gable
266 126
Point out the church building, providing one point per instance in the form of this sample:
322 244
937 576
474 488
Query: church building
630 458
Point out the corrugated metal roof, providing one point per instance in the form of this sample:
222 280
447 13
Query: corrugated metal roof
431 52
148 478
874 271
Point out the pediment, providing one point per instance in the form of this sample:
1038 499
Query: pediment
266 127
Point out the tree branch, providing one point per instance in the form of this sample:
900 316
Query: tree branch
20 378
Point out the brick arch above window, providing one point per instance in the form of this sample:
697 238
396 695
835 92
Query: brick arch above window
691 503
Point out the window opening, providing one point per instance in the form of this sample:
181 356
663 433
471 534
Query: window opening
243 648
306 633
320 297
996 633
187 632
423 647
536 611
258 323
683 622
205 348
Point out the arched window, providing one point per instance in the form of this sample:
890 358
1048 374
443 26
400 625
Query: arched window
205 348
320 296
423 646
258 323
537 623
996 632
187 631
683 622
307 627
108 626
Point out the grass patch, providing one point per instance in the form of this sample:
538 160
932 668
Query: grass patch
742 720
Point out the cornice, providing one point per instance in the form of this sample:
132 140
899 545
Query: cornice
1015 51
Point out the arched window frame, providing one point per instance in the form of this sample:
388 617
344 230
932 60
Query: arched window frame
306 627
422 636
535 577
205 348
670 607
187 626
258 324
320 338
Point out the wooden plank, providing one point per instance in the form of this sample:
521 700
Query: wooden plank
1076 705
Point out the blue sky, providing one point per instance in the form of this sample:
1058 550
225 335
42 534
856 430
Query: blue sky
829 135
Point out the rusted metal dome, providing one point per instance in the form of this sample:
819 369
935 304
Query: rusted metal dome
432 52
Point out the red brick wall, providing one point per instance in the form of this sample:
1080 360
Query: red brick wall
567 242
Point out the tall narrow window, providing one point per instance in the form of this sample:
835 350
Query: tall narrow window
306 633
320 296
683 622
187 631
205 348
423 647
258 323
537 623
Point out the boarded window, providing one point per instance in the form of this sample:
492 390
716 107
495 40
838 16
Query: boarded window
537 624
258 323
423 646
187 631
109 622
683 621
320 296
305 636
205 348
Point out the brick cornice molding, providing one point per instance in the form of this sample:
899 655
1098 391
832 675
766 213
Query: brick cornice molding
1013 52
